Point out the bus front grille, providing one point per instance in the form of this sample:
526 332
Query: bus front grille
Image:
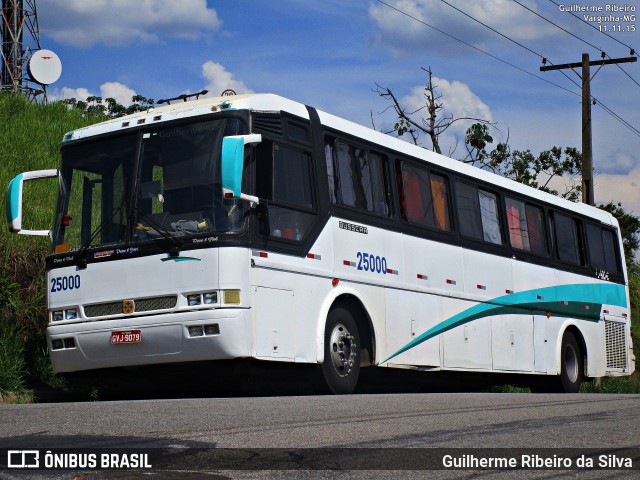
616 345
141 305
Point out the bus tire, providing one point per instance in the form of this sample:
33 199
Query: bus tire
341 365
571 364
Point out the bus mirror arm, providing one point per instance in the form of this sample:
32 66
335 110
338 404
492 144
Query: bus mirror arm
253 200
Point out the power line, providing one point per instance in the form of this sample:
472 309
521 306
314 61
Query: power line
545 60
627 74
596 28
583 40
604 107
633 129
477 49
493 30
557 26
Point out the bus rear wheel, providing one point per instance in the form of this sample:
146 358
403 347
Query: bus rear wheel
341 365
571 364
571 370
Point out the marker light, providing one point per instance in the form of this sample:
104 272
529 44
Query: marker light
231 297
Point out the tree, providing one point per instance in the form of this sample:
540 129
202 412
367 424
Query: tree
523 166
434 125
109 107
542 171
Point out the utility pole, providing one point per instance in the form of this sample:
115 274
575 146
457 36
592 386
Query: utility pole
587 154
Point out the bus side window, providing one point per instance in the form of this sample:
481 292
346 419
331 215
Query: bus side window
526 227
328 155
357 178
611 253
424 198
292 177
567 239
284 177
603 252
478 213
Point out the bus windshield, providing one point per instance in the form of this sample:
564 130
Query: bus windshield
146 185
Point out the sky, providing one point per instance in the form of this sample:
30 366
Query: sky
331 54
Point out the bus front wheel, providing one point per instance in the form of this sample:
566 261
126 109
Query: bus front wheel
341 365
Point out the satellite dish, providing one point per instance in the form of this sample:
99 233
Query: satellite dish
44 67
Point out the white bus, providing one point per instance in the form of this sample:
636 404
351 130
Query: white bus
257 227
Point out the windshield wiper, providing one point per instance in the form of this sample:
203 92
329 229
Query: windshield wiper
80 259
174 248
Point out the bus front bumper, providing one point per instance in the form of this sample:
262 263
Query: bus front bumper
184 337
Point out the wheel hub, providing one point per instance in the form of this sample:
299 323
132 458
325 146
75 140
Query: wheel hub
343 350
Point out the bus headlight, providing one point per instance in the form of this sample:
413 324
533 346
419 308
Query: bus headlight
210 297
193 300
67 314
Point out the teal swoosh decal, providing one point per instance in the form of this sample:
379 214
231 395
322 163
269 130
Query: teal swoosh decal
181 259
579 300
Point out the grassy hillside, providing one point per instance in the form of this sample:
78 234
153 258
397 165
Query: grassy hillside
30 140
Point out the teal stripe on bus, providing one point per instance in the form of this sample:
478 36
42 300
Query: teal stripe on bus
563 300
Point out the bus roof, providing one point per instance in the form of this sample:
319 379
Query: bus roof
276 103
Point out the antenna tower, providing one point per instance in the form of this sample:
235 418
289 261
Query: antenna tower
20 37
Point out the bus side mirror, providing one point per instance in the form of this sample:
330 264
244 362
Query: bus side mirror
14 200
233 163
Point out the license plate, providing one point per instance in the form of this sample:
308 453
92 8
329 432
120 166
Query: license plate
126 336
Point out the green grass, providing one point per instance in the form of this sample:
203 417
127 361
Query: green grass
30 140
629 384
13 366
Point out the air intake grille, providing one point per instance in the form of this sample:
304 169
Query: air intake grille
141 305
616 345
267 123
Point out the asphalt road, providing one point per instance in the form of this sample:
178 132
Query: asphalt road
381 421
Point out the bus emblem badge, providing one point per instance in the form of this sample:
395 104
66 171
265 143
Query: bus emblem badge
128 306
